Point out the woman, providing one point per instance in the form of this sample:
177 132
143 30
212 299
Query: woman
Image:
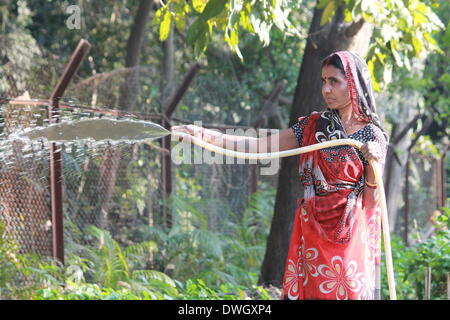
335 245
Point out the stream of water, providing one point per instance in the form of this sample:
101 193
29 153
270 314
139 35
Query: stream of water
96 129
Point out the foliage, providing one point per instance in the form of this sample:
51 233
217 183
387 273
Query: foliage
109 272
19 51
246 241
86 292
228 17
8 261
410 263
404 29
428 79
232 255
191 290
104 24
434 85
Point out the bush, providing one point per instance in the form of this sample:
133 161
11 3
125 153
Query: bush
410 263
107 272
9 263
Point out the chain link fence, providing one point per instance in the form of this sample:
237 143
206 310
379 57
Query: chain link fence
114 186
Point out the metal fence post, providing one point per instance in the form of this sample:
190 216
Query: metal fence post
448 285
166 163
56 186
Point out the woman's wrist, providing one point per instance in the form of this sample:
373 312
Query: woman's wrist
371 185
369 178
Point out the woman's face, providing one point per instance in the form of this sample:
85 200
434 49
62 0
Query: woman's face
334 88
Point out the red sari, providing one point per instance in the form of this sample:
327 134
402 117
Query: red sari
334 251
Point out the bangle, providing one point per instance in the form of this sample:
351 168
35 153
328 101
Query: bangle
371 185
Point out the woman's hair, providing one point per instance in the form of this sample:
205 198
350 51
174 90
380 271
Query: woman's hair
335 61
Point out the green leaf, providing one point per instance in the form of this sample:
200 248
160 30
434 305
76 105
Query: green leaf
157 17
199 5
432 41
397 58
417 43
328 13
213 8
255 21
245 21
234 37
322 4
239 54
381 56
375 83
348 17
180 23
196 30
406 62
153 275
445 78
264 33
356 9
164 27
201 44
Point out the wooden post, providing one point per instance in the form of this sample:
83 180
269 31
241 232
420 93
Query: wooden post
253 178
448 285
166 176
56 186
427 295
406 199
441 176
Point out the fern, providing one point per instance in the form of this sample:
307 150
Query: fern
148 275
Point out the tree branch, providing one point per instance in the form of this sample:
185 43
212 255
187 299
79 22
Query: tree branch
405 130
269 106
354 28
424 129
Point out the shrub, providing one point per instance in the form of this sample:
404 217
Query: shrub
410 263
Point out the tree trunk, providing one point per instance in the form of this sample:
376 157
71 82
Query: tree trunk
167 89
394 171
168 68
127 100
323 40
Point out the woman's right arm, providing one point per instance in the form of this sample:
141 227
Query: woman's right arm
281 141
